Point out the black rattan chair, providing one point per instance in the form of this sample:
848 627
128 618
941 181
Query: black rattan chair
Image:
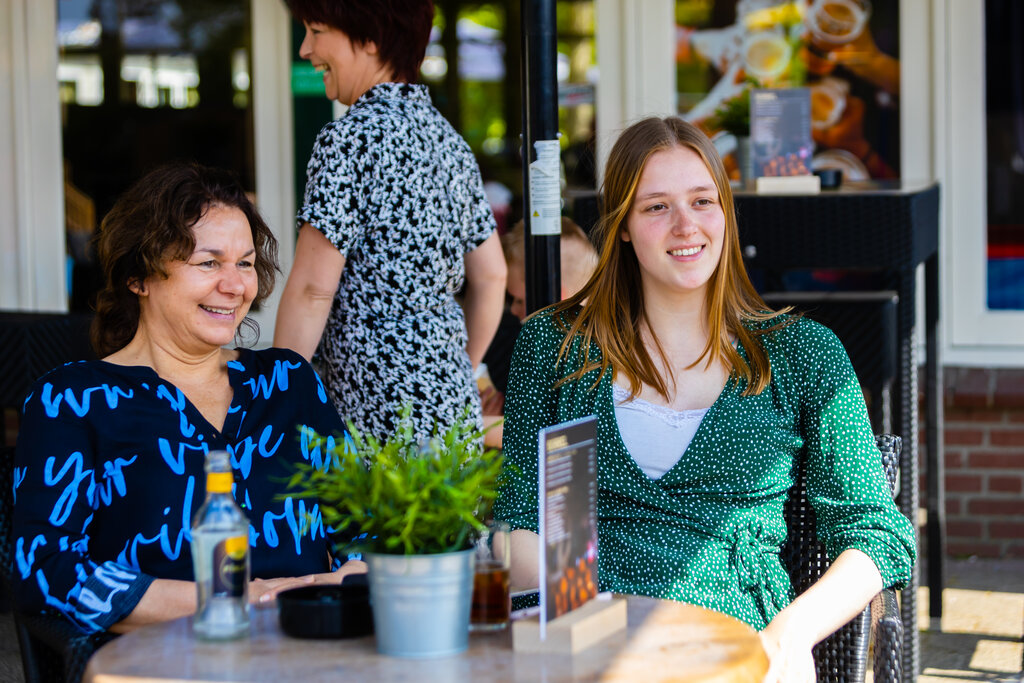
843 656
53 650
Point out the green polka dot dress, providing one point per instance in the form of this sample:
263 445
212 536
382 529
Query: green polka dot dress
709 531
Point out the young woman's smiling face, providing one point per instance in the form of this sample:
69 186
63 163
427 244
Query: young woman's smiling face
676 224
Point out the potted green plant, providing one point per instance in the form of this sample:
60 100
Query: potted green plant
418 506
733 116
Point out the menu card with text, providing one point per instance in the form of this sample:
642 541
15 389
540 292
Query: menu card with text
780 131
568 517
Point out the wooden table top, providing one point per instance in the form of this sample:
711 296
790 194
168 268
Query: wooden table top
663 641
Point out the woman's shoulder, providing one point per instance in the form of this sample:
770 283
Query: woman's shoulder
791 332
261 361
87 373
549 324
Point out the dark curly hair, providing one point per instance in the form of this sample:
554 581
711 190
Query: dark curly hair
150 225
399 28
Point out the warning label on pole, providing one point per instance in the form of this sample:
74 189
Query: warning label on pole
545 190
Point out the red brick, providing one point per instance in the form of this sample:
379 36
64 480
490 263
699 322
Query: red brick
1007 461
953 506
1015 416
963 437
1015 551
969 387
971 415
964 528
954 460
981 549
1012 530
995 507
1009 389
963 482
1005 484
1006 437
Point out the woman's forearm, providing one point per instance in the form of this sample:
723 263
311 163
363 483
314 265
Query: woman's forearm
837 597
485 296
309 293
165 599
525 570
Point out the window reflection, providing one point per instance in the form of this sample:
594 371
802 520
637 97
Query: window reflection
146 82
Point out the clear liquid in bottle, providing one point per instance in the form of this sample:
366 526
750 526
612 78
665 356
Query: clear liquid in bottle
220 557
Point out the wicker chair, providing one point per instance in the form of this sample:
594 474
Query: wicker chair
53 650
843 656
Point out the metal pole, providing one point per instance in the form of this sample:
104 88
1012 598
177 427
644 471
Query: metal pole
542 200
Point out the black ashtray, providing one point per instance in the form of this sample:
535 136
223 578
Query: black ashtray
334 611
831 178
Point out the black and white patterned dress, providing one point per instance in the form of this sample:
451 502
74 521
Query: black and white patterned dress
398 192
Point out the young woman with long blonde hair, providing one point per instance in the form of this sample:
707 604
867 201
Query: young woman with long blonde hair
705 399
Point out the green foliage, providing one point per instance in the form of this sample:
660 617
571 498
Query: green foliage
733 115
409 498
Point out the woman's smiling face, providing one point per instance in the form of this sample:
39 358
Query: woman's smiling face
203 300
676 224
349 69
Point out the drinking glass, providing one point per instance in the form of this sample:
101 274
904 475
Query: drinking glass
491 602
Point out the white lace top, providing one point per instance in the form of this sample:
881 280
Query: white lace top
656 436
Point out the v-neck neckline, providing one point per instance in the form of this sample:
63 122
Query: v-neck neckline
195 415
727 390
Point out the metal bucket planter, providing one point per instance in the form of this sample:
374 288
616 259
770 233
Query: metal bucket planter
421 602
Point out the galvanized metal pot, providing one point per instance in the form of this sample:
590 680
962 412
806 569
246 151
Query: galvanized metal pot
421 602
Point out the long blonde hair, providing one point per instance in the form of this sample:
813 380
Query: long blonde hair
613 314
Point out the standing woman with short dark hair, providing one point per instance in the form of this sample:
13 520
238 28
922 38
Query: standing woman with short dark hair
393 223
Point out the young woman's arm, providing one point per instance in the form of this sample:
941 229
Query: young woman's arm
838 596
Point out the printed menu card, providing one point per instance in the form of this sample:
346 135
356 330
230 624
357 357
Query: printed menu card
568 517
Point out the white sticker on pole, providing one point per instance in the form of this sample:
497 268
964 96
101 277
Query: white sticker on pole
545 190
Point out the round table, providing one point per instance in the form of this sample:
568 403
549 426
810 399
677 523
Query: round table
664 640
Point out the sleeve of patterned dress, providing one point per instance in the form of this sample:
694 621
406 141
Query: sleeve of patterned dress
845 482
530 405
57 488
335 175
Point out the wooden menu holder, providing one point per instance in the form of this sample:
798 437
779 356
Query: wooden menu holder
572 632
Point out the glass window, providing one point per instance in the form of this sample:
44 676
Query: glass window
1004 115
845 51
143 83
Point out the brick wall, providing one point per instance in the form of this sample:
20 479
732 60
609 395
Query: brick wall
984 459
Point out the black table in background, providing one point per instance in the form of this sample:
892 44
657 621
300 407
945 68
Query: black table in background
887 228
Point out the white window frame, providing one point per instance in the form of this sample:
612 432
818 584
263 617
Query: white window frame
33 260
975 335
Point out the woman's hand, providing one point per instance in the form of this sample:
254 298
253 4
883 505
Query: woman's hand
789 652
265 591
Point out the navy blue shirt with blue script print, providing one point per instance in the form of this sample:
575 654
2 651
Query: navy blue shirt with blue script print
109 473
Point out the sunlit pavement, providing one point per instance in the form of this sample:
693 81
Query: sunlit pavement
982 623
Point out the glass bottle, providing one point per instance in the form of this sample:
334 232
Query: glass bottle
220 557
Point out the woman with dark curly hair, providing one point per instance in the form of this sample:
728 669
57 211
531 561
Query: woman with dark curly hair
394 222
110 454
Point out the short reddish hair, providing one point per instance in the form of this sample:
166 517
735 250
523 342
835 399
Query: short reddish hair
399 28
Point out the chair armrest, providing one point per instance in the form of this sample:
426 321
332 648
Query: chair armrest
56 648
887 637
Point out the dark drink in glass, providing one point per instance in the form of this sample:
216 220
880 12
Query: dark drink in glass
491 602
